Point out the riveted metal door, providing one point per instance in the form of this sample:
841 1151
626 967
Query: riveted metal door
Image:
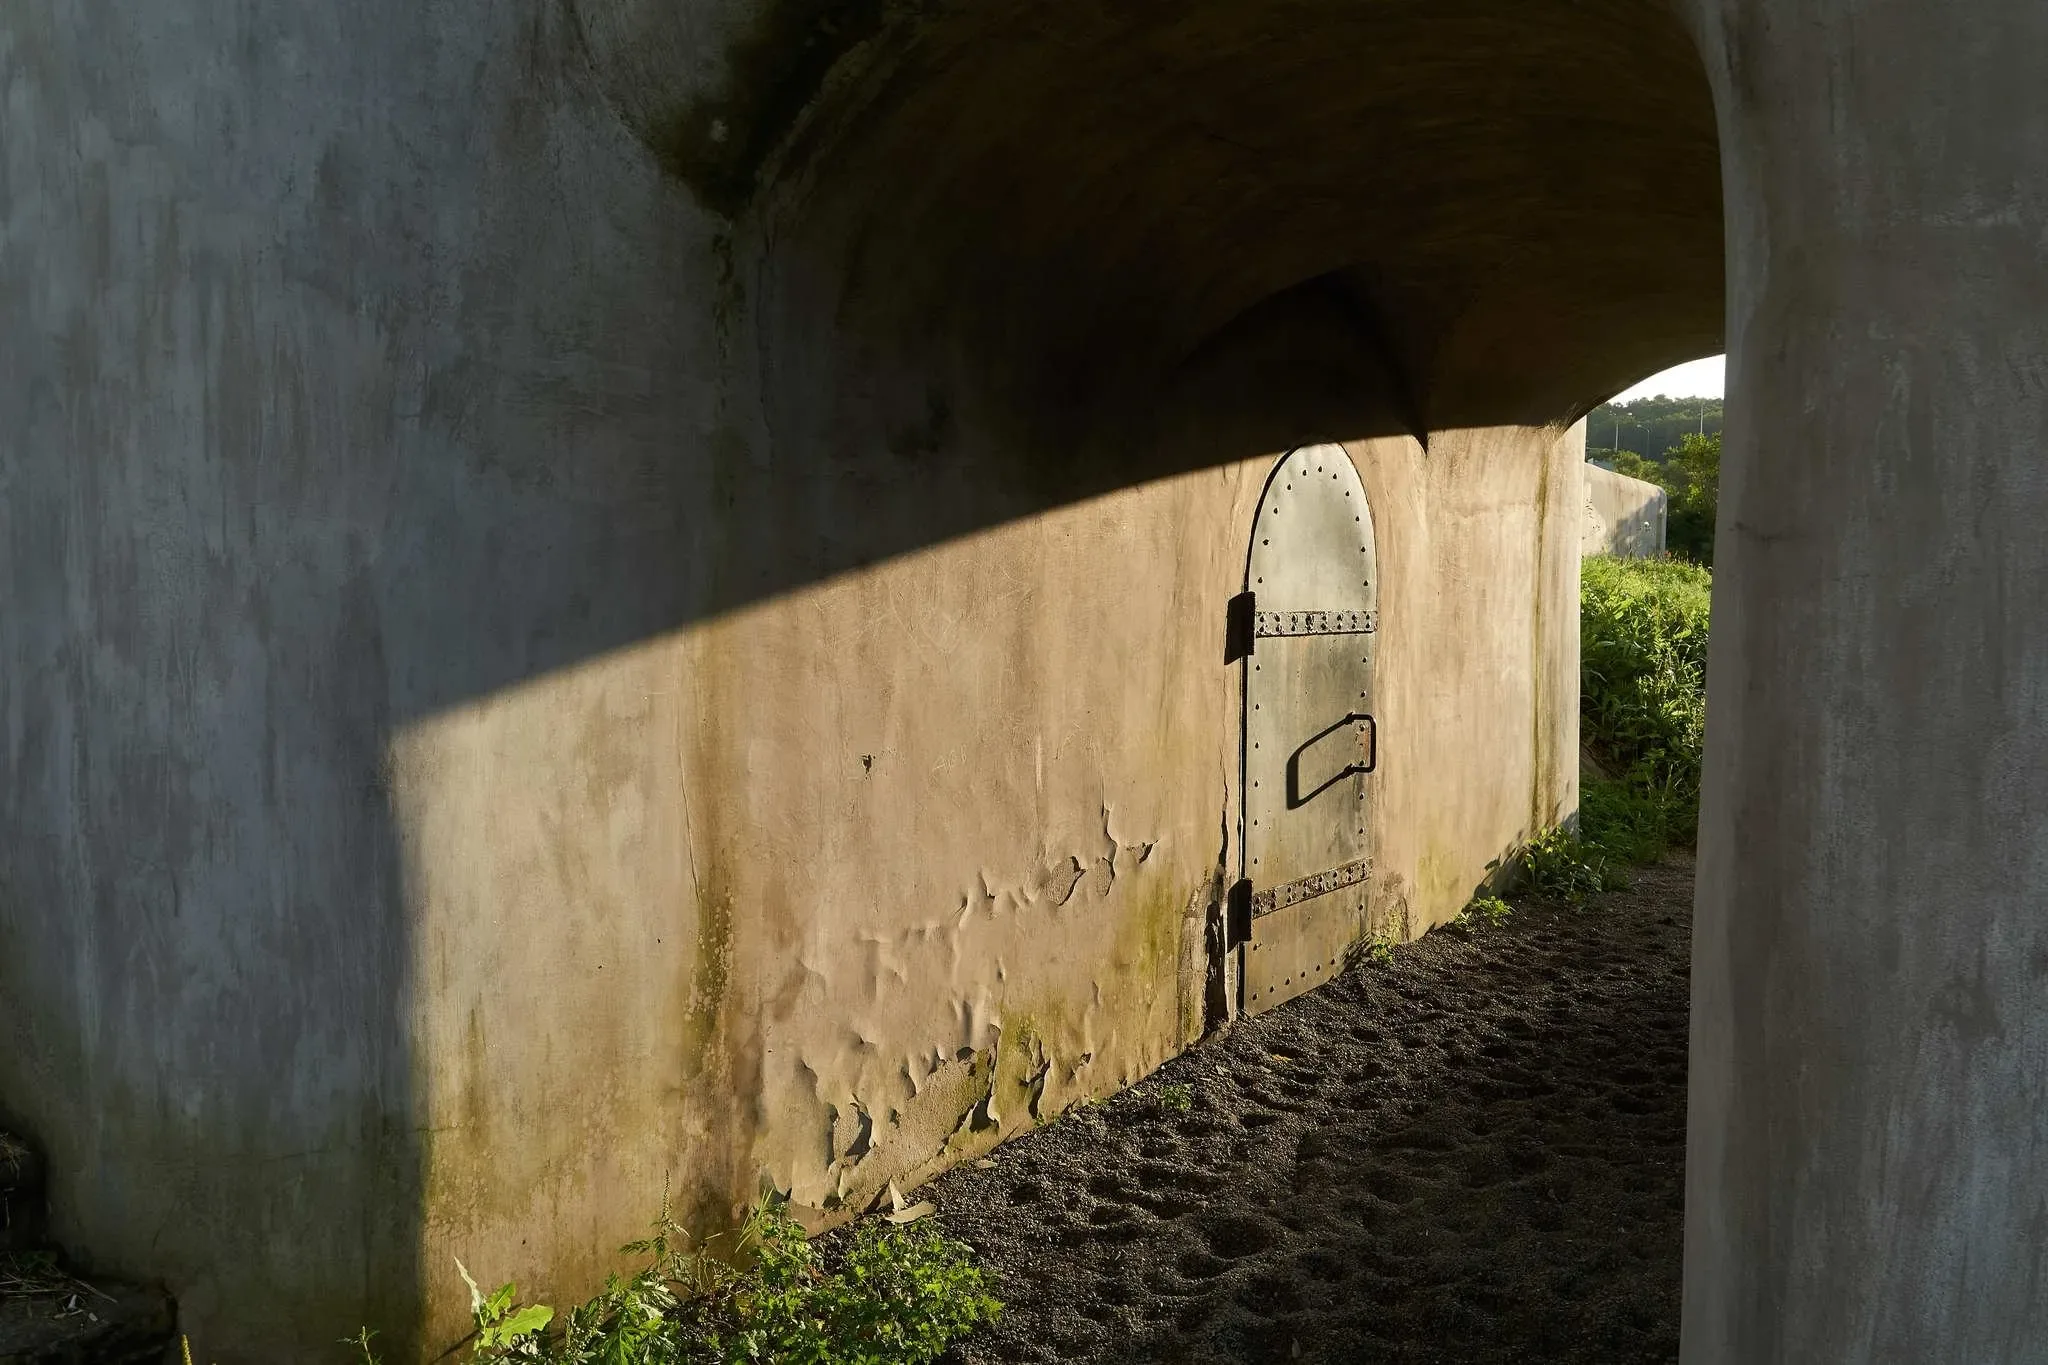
1306 628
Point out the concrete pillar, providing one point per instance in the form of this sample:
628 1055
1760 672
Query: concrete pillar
1868 1156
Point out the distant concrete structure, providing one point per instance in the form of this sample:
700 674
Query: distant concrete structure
614 594
1625 516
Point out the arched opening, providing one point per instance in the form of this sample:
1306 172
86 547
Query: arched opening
439 527
1076 230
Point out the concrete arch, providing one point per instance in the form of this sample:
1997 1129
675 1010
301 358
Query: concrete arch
461 461
1077 207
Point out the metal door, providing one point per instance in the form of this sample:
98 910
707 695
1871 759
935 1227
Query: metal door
1304 630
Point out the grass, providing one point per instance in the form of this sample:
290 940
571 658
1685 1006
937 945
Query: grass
1643 717
1643 706
38 1275
899 1295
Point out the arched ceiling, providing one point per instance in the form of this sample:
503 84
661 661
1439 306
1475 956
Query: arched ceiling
1516 204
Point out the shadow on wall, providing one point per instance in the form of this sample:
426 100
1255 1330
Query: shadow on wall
999 268
1353 725
340 414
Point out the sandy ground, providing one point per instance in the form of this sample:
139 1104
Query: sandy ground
1474 1154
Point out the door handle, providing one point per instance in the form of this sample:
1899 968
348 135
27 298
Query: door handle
1369 737
1296 798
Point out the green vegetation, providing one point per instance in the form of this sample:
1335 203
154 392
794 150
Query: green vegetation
1643 719
1693 479
1562 864
1643 699
1491 911
1690 473
1648 428
1176 1099
884 1296
1629 463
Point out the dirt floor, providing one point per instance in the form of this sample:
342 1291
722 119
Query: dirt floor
1474 1154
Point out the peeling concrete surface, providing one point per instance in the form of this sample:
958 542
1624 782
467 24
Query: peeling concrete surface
544 659
523 687
894 999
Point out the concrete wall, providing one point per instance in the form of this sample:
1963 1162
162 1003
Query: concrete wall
1867 1170
1624 516
514 696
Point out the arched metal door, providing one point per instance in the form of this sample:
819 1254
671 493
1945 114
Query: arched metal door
1304 630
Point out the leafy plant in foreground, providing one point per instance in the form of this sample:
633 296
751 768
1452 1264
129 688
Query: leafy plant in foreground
885 1296
1489 910
1559 863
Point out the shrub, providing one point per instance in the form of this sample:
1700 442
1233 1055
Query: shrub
1694 479
1559 863
1643 698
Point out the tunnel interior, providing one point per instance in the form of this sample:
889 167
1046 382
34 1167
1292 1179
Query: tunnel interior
1188 232
978 260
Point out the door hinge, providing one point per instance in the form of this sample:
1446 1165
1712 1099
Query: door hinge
1237 915
1240 626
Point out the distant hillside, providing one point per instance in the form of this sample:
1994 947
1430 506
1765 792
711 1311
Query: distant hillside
1649 426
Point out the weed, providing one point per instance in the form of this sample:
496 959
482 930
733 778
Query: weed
503 1332
1490 910
1559 863
890 1294
1379 949
1176 1099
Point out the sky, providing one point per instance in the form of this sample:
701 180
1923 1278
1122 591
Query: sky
1694 379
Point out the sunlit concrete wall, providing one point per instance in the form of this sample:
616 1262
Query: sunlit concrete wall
1624 516
511 703
847 885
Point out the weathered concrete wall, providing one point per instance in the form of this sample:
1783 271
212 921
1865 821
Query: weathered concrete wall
1867 1168
1624 516
899 864
354 366
517 693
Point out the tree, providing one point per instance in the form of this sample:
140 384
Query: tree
1636 467
1694 480
1651 427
